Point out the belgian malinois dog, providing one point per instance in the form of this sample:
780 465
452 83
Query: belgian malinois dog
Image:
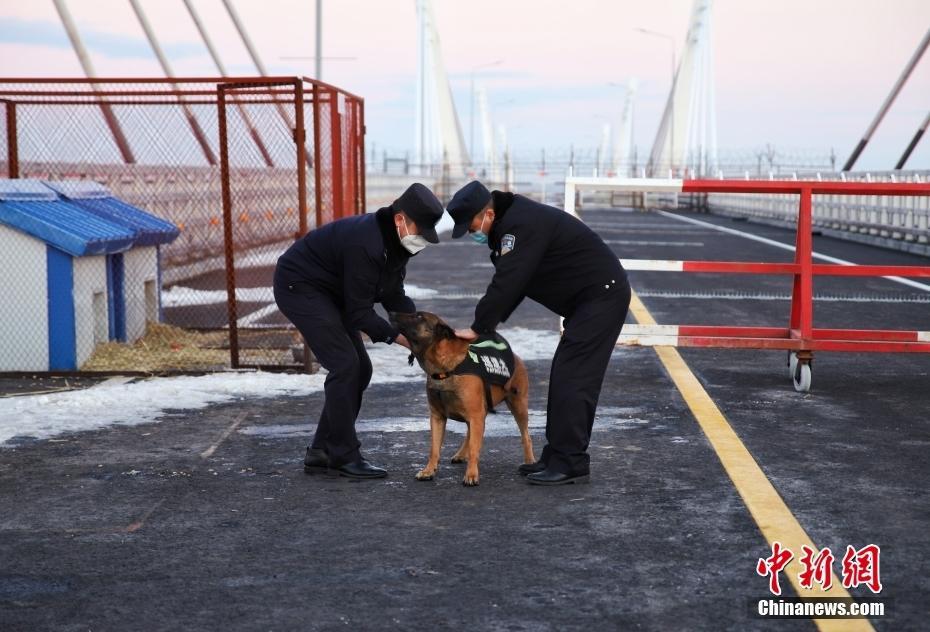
460 396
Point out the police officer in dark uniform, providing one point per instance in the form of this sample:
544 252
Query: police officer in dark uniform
327 284
550 256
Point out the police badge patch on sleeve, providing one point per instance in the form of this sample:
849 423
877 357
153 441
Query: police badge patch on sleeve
508 243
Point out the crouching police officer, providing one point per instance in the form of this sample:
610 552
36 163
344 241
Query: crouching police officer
552 257
327 284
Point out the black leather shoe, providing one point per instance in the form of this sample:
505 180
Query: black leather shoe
316 460
531 468
358 469
553 477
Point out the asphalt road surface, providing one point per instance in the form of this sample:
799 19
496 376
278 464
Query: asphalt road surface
205 519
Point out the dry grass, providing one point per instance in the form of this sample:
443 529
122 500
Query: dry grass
163 348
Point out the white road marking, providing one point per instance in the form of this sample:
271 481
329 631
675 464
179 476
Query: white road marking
671 231
206 454
622 242
665 226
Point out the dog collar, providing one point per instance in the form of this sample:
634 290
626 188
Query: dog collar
440 376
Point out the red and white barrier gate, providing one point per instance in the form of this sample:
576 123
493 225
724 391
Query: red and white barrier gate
800 337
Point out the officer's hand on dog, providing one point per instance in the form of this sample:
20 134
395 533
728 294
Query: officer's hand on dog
466 334
402 340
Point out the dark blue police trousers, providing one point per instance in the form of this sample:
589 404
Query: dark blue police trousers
577 374
340 350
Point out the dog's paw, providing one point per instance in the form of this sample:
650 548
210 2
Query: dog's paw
470 480
426 475
458 459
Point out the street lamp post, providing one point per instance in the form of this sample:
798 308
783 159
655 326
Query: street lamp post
319 40
614 84
471 112
671 141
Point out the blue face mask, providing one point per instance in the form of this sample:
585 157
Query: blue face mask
479 236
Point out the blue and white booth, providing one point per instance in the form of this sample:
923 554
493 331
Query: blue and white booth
80 267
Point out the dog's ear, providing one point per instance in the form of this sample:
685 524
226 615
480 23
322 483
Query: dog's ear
444 332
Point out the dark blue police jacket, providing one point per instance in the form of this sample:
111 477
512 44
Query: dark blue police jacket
543 253
357 262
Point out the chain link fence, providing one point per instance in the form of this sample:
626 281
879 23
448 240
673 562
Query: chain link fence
230 171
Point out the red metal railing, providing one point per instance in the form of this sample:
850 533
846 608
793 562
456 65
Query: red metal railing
800 337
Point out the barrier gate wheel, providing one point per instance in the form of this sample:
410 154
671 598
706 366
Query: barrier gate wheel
800 371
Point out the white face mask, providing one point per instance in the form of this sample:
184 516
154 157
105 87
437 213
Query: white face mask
413 243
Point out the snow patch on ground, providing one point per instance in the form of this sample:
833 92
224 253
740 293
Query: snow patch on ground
146 401
180 296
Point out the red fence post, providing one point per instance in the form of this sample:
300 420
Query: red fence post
12 141
300 137
228 232
363 203
336 139
802 295
805 227
317 159
350 134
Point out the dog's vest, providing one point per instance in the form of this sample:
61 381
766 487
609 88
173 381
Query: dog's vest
490 358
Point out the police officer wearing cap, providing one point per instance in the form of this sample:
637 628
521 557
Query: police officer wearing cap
550 256
327 284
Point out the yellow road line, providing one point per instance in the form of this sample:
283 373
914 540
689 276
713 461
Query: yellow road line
766 506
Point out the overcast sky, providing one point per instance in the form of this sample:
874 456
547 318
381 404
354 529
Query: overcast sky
804 75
